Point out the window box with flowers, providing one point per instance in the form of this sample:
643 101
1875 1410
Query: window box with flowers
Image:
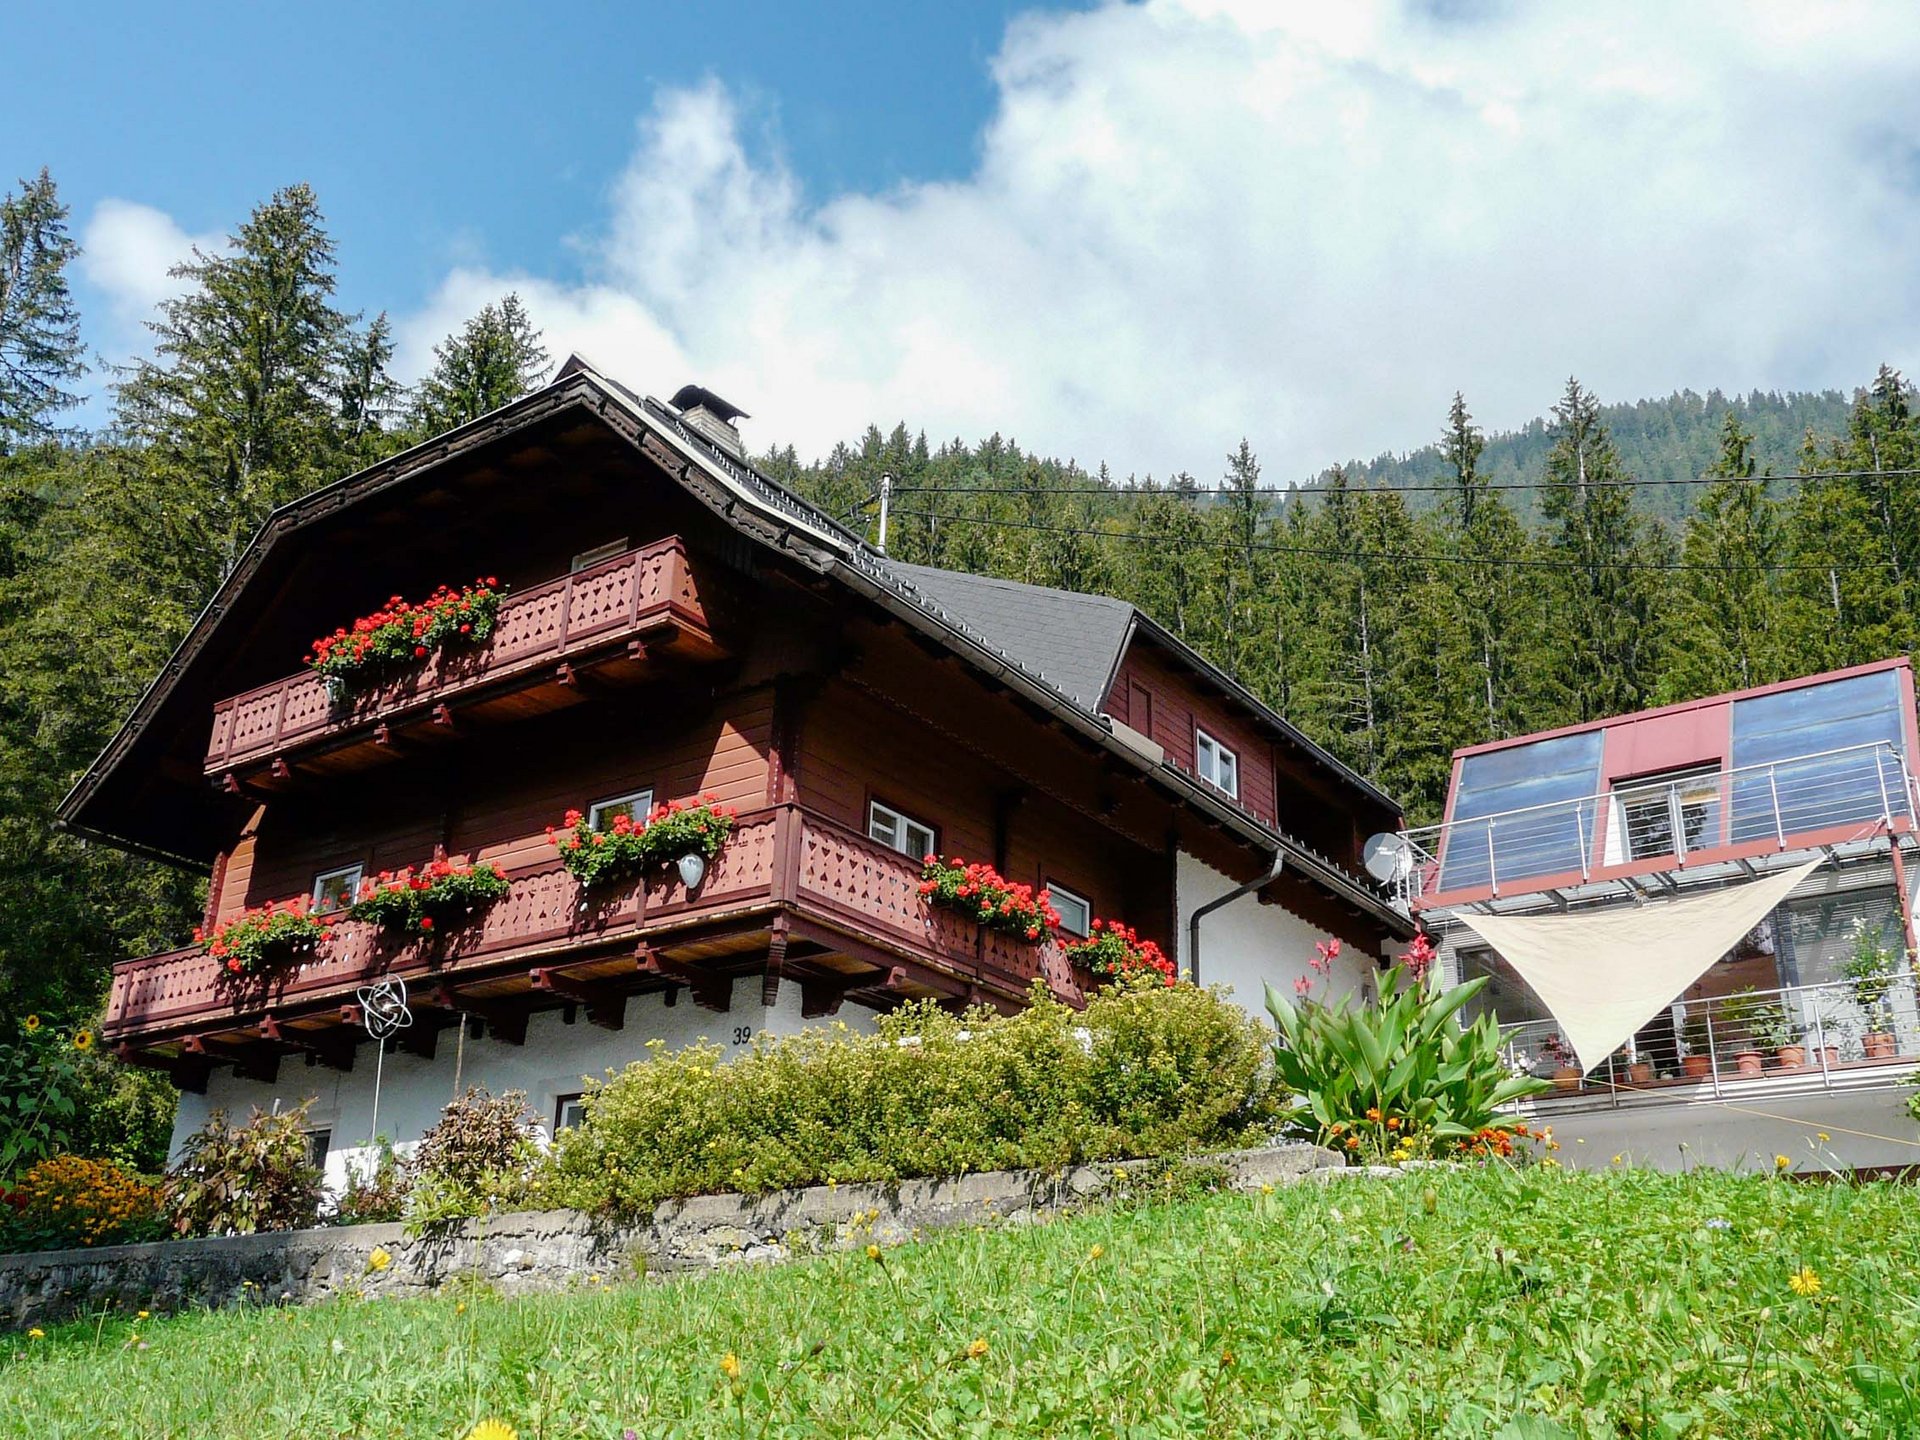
988 898
679 832
1114 952
431 900
264 937
401 635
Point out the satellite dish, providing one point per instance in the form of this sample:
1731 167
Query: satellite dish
1388 857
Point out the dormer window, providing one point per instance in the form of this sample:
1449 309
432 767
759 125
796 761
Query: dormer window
1216 764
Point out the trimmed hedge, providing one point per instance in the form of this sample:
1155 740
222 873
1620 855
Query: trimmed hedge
1145 1070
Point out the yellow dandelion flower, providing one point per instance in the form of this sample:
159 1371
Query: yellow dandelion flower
141 1316
36 1333
1096 1252
976 1349
460 1308
730 1365
873 1252
83 1040
379 1259
1804 1281
1823 1137
1781 1162
1266 1189
491 1429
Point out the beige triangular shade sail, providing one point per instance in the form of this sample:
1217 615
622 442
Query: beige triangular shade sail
1606 973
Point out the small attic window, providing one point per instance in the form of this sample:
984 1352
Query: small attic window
587 559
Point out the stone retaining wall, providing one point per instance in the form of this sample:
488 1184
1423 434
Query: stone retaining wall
544 1250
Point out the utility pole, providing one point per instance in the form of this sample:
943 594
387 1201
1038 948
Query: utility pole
886 497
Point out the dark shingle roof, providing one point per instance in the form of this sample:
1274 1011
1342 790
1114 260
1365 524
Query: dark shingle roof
1070 640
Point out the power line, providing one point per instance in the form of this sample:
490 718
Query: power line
1123 493
1395 556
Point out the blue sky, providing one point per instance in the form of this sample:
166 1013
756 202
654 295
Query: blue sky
481 132
1129 231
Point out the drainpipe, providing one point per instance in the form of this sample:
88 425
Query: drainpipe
1193 921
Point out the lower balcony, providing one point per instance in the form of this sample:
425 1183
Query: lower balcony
794 898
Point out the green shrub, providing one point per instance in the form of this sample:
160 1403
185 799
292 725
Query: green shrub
478 1157
374 1193
1144 1070
240 1179
1401 1078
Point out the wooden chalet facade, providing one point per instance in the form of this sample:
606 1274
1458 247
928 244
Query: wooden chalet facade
676 625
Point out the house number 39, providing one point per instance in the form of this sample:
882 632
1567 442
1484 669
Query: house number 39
742 1034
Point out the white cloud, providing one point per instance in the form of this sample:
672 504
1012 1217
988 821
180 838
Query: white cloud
1197 219
126 251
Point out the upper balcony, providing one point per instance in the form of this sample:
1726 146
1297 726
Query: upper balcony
1667 832
620 618
791 895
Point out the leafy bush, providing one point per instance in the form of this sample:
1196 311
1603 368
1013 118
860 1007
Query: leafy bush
59 1094
1144 1070
624 849
478 1157
70 1201
240 1179
1401 1078
374 1193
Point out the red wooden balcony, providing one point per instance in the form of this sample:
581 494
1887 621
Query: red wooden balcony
848 915
616 617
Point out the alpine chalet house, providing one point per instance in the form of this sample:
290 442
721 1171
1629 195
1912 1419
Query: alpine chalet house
1698 920
639 626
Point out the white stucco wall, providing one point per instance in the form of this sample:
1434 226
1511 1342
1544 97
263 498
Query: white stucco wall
1247 945
552 1063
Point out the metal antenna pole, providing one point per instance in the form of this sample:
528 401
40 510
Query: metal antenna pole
886 500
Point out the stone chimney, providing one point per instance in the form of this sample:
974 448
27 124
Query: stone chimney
712 417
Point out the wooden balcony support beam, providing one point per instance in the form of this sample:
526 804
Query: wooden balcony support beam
776 961
250 1062
504 1022
605 1004
331 1047
710 991
822 995
187 1072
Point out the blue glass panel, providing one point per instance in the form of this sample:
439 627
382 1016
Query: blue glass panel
1523 811
1826 755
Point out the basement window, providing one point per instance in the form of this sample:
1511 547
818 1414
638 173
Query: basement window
336 889
587 559
912 838
1076 913
636 807
1216 764
319 1143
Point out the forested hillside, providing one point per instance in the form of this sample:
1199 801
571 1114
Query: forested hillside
1392 624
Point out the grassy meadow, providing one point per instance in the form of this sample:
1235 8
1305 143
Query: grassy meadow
1489 1302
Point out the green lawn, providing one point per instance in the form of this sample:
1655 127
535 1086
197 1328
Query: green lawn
1484 1303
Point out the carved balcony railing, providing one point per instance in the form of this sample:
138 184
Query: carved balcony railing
782 857
567 620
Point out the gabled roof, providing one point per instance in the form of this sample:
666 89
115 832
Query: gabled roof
979 619
1072 641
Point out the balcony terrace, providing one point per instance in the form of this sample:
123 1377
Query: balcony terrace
620 619
1666 835
792 895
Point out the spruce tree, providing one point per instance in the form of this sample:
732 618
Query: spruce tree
495 359
39 325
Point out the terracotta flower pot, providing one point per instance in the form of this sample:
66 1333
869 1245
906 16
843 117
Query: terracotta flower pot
1750 1062
1697 1067
1791 1057
1640 1072
1878 1044
1566 1078
1832 1053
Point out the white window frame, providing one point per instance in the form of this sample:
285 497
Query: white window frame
351 874
587 559
640 801
1215 763
1058 893
902 827
561 1105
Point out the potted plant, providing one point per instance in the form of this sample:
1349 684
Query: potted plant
1776 1030
1869 974
1740 1010
1114 952
987 897
265 936
1697 1039
1566 1073
433 899
402 634
684 833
